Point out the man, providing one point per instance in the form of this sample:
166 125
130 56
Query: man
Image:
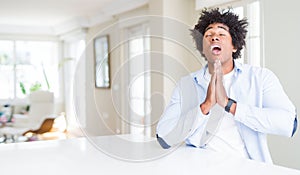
226 106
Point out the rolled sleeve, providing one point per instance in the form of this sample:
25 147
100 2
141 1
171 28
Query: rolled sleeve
272 112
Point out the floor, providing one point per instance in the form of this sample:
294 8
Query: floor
53 134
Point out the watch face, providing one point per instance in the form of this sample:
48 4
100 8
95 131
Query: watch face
228 106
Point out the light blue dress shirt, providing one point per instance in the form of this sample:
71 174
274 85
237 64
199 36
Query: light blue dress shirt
262 108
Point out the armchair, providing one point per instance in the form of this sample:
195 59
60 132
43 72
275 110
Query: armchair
40 115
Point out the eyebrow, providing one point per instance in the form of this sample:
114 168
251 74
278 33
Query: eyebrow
221 27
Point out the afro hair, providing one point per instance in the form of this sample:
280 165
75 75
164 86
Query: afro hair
237 28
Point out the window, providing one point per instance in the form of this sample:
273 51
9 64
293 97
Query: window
31 63
254 38
250 9
74 51
139 80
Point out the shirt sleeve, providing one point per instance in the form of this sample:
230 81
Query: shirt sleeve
277 115
181 117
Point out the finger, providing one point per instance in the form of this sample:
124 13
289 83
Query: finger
213 79
218 68
215 66
211 98
221 95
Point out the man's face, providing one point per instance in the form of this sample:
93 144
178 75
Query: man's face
217 43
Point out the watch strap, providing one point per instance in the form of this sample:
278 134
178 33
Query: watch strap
229 104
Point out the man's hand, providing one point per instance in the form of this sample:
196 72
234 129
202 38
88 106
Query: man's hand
216 92
221 96
210 100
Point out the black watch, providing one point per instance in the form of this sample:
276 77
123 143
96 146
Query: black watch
229 104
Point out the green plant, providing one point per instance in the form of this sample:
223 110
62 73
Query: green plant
36 86
22 88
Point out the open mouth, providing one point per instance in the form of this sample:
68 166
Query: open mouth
215 49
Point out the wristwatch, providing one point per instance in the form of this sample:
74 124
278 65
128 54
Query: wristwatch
229 104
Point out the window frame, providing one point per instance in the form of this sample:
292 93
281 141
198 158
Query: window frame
246 52
14 38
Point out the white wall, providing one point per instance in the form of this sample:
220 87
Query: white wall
172 48
100 115
181 56
174 53
281 29
104 112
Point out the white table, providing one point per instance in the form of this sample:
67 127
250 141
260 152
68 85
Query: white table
87 156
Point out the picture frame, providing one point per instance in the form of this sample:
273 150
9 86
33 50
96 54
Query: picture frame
102 62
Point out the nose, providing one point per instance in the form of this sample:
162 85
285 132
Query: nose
215 38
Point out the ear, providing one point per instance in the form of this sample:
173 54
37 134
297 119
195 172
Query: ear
234 50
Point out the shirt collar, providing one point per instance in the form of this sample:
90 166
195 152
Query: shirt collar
238 67
203 75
